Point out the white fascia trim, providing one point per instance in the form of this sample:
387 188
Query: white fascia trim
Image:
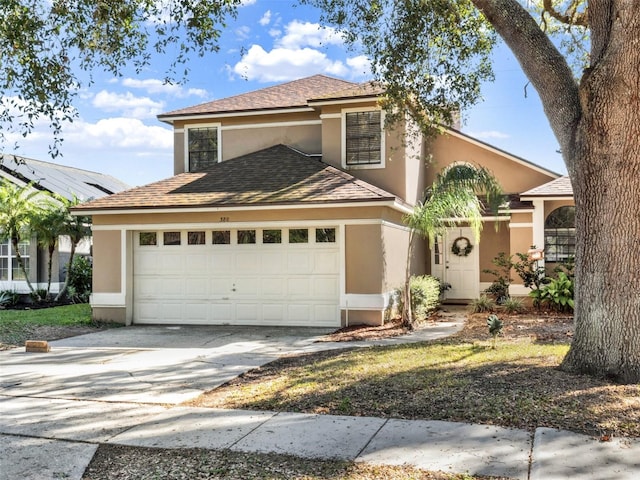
343 101
232 225
326 116
343 140
218 126
108 300
301 123
548 199
521 225
361 301
501 153
387 203
484 219
528 210
249 113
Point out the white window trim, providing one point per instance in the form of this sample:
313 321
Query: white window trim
217 125
343 141
12 255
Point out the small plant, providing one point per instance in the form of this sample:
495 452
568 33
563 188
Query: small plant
495 328
9 298
39 295
513 305
483 304
532 275
558 293
499 289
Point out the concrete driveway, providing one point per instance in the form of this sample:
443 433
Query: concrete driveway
150 364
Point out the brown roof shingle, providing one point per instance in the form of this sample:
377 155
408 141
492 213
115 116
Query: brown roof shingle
285 95
560 187
278 175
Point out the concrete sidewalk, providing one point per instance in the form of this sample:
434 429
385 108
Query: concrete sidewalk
62 444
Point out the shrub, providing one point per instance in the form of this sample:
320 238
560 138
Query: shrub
80 279
425 296
558 293
40 295
499 289
483 304
513 305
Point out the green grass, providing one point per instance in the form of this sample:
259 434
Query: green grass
78 315
516 385
17 326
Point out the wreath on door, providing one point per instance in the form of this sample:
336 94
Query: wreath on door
461 247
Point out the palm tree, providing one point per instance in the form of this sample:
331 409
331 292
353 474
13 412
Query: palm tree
48 224
76 228
452 198
18 206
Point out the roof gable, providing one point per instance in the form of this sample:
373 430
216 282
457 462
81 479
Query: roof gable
560 187
285 95
278 175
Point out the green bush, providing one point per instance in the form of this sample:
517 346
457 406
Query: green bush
9 298
425 296
80 279
558 293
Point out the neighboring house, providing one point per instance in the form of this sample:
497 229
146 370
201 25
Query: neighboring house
52 178
286 208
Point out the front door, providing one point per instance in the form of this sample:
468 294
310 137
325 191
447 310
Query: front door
461 262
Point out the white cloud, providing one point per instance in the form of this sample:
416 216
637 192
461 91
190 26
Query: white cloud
242 33
118 132
488 134
266 18
360 66
155 86
306 34
127 104
245 3
281 64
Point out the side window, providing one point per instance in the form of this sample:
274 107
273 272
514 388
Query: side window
221 237
171 238
560 234
298 235
246 237
202 148
363 138
148 238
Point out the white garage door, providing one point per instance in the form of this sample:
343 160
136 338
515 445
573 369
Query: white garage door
279 276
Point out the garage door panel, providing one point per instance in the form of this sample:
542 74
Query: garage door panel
249 284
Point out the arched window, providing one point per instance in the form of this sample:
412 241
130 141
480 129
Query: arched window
560 234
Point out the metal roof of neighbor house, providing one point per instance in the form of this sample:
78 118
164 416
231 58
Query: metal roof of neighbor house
277 175
285 95
560 187
60 179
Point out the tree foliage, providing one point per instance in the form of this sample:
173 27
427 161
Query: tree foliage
50 50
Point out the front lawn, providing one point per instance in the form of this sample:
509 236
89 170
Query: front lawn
17 326
458 379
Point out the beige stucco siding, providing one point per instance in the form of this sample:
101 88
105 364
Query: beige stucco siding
551 205
514 176
107 261
492 242
306 138
363 259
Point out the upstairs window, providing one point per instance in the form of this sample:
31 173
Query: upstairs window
202 148
560 234
363 140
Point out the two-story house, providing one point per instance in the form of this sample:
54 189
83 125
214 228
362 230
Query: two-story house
287 208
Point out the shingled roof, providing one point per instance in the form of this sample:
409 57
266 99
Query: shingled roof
278 175
560 187
285 95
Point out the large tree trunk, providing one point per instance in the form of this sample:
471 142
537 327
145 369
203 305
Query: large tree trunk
598 127
606 185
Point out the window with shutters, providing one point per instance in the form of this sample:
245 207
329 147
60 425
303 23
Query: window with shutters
363 139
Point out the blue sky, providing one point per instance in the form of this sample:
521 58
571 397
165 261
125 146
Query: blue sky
271 41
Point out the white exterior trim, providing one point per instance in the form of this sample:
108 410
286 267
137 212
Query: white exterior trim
301 123
361 301
327 116
387 203
343 140
116 300
205 116
521 225
342 101
218 126
548 198
538 227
